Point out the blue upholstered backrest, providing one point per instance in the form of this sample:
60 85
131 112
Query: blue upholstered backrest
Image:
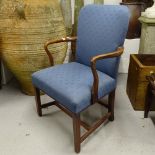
101 29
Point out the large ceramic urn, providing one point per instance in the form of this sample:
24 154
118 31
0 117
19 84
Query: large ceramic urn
25 25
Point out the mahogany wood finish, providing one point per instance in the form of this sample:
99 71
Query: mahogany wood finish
150 96
78 138
97 124
94 71
111 105
38 101
67 39
76 130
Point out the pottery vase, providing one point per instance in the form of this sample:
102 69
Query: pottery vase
25 25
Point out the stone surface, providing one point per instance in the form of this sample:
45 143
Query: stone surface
147 41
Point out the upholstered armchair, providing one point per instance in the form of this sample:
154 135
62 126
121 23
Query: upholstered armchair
77 85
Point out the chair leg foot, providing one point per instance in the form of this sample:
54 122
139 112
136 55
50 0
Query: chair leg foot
76 130
111 118
111 100
38 101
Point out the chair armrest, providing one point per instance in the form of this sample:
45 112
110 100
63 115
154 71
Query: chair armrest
94 59
66 39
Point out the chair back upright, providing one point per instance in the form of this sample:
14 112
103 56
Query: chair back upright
101 29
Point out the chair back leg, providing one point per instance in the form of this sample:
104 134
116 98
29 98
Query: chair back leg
76 130
111 100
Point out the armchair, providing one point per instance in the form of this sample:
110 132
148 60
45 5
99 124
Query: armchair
77 85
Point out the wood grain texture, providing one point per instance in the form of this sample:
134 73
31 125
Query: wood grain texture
94 59
77 123
66 39
139 68
25 27
78 137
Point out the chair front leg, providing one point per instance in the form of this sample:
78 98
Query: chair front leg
38 101
76 131
111 100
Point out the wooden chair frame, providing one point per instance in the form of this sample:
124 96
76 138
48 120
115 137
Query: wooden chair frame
78 139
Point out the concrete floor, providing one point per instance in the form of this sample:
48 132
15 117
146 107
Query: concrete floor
22 132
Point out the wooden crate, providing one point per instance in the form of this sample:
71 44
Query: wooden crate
140 66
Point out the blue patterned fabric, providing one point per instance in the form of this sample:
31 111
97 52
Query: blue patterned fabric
70 84
101 29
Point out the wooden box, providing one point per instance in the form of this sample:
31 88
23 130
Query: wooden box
140 66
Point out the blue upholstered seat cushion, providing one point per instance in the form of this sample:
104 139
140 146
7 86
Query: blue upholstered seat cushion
70 84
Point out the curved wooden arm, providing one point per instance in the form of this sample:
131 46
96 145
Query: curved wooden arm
67 39
116 53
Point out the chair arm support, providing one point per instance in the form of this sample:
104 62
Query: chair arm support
66 39
94 59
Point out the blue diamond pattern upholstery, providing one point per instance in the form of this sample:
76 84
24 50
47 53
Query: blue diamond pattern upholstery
70 84
101 29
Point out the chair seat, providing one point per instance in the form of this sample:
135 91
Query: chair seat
70 84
